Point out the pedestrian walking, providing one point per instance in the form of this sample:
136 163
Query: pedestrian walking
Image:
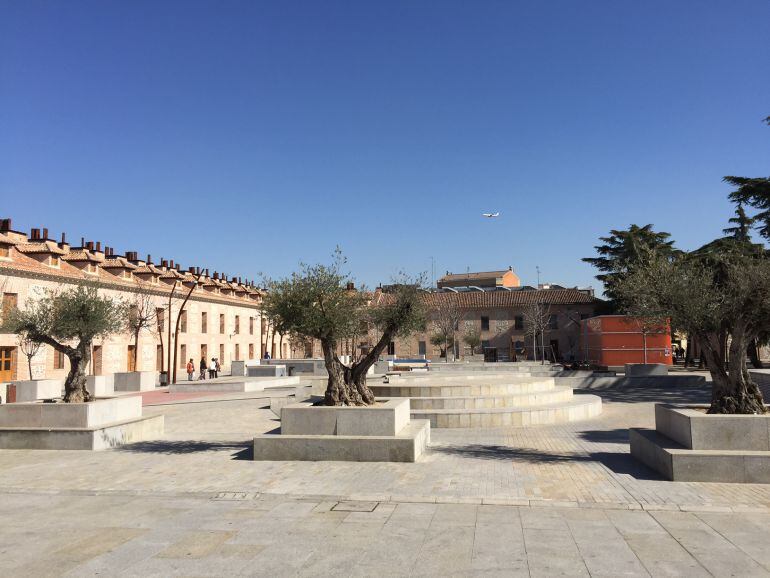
213 369
202 368
190 370
217 367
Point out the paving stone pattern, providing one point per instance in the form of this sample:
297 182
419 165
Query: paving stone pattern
536 501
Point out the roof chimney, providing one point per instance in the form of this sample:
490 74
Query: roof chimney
45 234
34 234
5 225
149 259
99 246
90 245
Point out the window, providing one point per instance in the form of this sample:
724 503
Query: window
204 351
237 324
553 321
58 359
183 322
392 348
237 352
484 323
251 326
421 349
204 323
10 300
182 356
130 361
221 352
222 323
54 261
158 358
518 322
160 315
251 351
4 251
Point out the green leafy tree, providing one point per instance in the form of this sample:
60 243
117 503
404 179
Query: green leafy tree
472 338
719 294
623 250
69 322
754 192
742 224
319 302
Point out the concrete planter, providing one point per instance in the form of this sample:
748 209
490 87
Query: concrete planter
94 425
299 366
237 368
385 419
36 389
645 369
266 371
690 445
134 381
101 385
381 433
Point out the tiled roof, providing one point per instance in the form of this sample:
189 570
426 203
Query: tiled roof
505 299
118 263
473 276
40 247
83 255
147 269
6 240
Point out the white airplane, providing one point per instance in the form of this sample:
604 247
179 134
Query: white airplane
491 215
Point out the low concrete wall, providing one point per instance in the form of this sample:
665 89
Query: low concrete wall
385 419
36 389
247 385
645 369
600 382
300 366
135 381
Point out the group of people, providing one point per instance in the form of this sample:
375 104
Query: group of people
213 369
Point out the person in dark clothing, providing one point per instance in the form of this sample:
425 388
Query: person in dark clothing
202 367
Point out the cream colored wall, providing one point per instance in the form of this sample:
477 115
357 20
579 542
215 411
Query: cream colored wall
115 347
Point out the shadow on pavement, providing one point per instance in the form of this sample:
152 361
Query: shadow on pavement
653 394
619 463
188 447
605 436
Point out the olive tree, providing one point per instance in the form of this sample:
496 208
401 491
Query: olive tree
446 316
319 302
472 339
69 321
721 295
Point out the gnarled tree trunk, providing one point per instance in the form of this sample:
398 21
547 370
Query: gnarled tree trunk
338 391
75 386
733 391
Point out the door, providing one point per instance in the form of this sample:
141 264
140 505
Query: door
555 349
7 363
96 360
130 362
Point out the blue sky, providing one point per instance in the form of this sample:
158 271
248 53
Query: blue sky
248 136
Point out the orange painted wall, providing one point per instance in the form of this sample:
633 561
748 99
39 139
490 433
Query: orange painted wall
617 340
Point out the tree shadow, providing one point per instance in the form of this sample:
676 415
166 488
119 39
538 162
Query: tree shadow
611 436
652 394
619 463
181 447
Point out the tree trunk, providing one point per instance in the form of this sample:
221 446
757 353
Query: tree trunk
338 391
753 353
29 366
135 355
733 391
75 388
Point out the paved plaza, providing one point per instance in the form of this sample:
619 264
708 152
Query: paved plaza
539 501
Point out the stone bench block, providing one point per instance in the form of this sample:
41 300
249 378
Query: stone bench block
35 389
645 369
276 370
135 381
697 430
248 385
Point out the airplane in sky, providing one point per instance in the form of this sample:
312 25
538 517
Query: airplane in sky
491 215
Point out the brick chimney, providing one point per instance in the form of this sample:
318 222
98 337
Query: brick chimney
34 235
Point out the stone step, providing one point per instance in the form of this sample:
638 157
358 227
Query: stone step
462 389
419 379
493 401
577 408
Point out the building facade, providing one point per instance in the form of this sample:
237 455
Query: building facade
221 318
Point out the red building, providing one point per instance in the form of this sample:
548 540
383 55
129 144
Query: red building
614 340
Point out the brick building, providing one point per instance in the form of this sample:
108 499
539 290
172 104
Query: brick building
221 319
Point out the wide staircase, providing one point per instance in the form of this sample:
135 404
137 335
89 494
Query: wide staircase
487 399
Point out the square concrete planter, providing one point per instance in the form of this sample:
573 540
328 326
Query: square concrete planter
380 433
384 419
36 389
266 370
645 369
691 445
134 381
101 385
94 425
237 368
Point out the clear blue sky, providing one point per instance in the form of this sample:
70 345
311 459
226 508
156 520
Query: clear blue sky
246 136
